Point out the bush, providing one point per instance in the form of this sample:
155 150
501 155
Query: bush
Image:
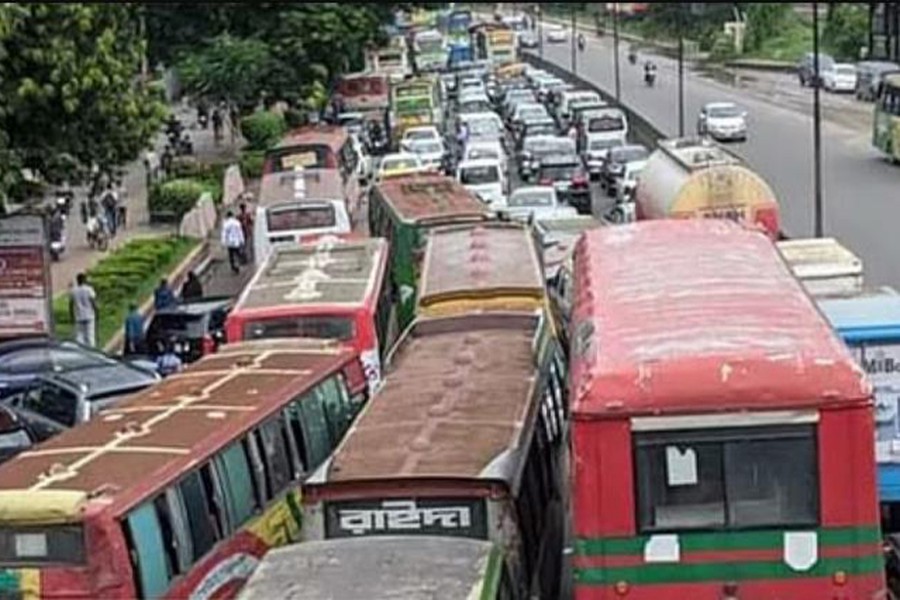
252 163
294 118
262 130
178 196
128 274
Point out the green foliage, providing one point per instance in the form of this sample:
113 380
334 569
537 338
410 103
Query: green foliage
126 275
178 196
252 163
792 39
294 118
227 68
765 21
263 129
846 30
71 98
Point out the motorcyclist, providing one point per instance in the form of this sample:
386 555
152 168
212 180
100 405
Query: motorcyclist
581 42
649 72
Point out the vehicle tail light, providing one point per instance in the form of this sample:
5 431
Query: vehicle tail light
767 218
579 181
546 181
208 345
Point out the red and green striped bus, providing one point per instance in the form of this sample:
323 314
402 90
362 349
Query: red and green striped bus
721 433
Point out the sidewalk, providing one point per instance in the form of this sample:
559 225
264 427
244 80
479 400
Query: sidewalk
78 256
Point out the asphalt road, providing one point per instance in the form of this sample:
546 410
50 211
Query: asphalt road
861 190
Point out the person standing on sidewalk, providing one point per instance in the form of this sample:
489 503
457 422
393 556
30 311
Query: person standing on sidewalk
233 241
217 123
163 296
192 288
134 331
246 220
83 311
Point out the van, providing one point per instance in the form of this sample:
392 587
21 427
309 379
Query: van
569 96
484 178
601 124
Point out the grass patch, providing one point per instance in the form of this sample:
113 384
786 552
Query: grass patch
128 274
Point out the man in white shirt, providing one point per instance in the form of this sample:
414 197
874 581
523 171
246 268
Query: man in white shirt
83 310
233 241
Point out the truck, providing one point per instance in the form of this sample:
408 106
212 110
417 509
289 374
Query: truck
824 267
697 178
414 102
495 43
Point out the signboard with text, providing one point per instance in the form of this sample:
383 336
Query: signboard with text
24 277
455 517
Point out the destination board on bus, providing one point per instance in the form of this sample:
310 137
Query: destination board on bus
455 517
24 277
881 362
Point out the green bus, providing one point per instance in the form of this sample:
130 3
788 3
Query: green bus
886 130
402 210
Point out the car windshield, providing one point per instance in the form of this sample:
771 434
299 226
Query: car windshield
483 127
479 175
845 70
540 129
605 144
629 154
606 123
532 111
724 111
298 216
421 134
531 198
426 147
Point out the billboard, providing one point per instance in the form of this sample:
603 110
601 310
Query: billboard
25 292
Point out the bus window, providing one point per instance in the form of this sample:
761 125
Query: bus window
308 326
318 437
297 216
295 423
275 456
337 412
201 511
237 481
730 479
147 551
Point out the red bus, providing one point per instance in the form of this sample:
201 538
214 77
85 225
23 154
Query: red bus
180 490
325 291
364 92
721 433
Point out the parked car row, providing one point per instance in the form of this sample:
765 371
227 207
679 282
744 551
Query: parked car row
862 79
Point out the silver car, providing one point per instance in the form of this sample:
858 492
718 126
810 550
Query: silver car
722 121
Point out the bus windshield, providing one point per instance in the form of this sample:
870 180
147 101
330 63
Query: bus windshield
301 326
299 216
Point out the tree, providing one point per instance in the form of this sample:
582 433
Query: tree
228 68
72 98
846 29
764 21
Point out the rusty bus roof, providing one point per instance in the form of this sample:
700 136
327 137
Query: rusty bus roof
480 260
698 316
329 135
346 272
154 436
426 197
458 394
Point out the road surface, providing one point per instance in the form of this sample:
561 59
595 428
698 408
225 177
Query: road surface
861 190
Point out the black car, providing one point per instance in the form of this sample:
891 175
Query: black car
535 148
197 328
616 160
565 172
806 72
534 125
22 361
16 435
57 401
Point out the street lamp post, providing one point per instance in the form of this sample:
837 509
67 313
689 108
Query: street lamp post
680 70
574 56
540 30
817 131
616 49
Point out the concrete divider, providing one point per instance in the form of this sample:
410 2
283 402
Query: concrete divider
642 130
232 185
200 221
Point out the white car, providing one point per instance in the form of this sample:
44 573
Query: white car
537 202
399 163
839 77
629 180
431 152
425 132
528 110
484 178
483 127
722 121
481 149
556 35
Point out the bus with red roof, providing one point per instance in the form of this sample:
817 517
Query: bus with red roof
721 433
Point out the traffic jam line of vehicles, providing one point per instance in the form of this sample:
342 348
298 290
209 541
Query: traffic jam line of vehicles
458 367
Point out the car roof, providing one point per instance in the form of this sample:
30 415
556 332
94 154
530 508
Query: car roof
422 128
399 156
102 380
720 105
197 307
553 160
531 189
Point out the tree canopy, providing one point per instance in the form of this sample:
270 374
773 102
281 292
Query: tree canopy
71 95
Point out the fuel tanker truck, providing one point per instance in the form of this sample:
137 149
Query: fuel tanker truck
696 178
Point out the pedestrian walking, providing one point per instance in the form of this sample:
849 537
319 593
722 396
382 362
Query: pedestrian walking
234 118
163 296
192 288
83 311
165 162
233 240
246 220
134 331
109 201
217 122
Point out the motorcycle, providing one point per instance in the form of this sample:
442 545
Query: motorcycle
581 43
632 57
97 234
203 120
63 202
650 78
58 237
